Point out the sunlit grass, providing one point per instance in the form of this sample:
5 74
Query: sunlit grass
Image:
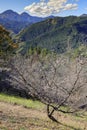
21 101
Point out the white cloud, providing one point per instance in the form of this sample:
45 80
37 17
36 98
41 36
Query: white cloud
85 8
43 8
70 7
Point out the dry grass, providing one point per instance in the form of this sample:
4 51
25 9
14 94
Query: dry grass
17 117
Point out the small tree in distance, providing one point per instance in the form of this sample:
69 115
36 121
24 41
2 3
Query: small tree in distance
54 80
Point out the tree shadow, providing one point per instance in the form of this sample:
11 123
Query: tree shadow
65 125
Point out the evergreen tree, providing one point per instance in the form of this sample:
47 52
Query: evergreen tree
6 44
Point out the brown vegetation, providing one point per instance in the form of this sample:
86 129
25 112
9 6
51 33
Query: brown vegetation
14 117
55 81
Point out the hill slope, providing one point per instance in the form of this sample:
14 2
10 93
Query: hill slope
57 34
20 117
16 22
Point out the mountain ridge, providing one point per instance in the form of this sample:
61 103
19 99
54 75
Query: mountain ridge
12 15
15 22
57 34
83 15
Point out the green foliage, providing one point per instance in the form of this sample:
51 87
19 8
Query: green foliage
38 50
80 52
6 44
57 34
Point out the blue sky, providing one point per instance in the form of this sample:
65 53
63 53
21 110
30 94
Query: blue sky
44 8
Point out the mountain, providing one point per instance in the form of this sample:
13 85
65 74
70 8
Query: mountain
11 21
83 15
24 17
16 22
10 15
57 34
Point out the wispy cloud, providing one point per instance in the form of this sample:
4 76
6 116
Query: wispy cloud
43 8
85 8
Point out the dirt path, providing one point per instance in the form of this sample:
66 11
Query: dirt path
14 117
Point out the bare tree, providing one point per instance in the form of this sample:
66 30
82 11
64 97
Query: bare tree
54 80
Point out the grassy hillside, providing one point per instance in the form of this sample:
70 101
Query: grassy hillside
21 101
57 34
22 114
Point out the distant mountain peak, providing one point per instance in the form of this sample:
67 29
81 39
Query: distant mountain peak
9 12
15 21
84 15
24 14
23 17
